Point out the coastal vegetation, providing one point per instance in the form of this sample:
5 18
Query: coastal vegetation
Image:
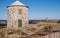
48 28
58 21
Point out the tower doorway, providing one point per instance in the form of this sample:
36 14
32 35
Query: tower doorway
19 23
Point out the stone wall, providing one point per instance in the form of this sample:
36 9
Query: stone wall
14 16
52 35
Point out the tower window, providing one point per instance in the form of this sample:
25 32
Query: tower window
20 11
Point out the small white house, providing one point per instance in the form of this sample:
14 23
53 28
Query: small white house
17 15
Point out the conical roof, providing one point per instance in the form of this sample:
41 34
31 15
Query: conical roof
17 3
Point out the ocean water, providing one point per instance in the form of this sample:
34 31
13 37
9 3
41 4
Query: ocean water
3 20
6 20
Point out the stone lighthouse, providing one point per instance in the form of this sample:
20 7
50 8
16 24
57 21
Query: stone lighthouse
17 15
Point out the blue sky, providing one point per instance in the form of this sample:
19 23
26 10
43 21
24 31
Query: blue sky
38 9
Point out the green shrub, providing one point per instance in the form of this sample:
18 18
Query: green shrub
58 21
48 28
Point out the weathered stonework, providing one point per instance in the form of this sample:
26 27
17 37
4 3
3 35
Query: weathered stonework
14 16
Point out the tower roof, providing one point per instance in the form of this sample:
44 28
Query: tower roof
17 3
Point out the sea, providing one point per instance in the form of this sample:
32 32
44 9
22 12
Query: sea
3 20
29 20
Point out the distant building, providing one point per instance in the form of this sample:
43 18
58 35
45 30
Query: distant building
17 15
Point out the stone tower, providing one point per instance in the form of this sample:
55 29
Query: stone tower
17 15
